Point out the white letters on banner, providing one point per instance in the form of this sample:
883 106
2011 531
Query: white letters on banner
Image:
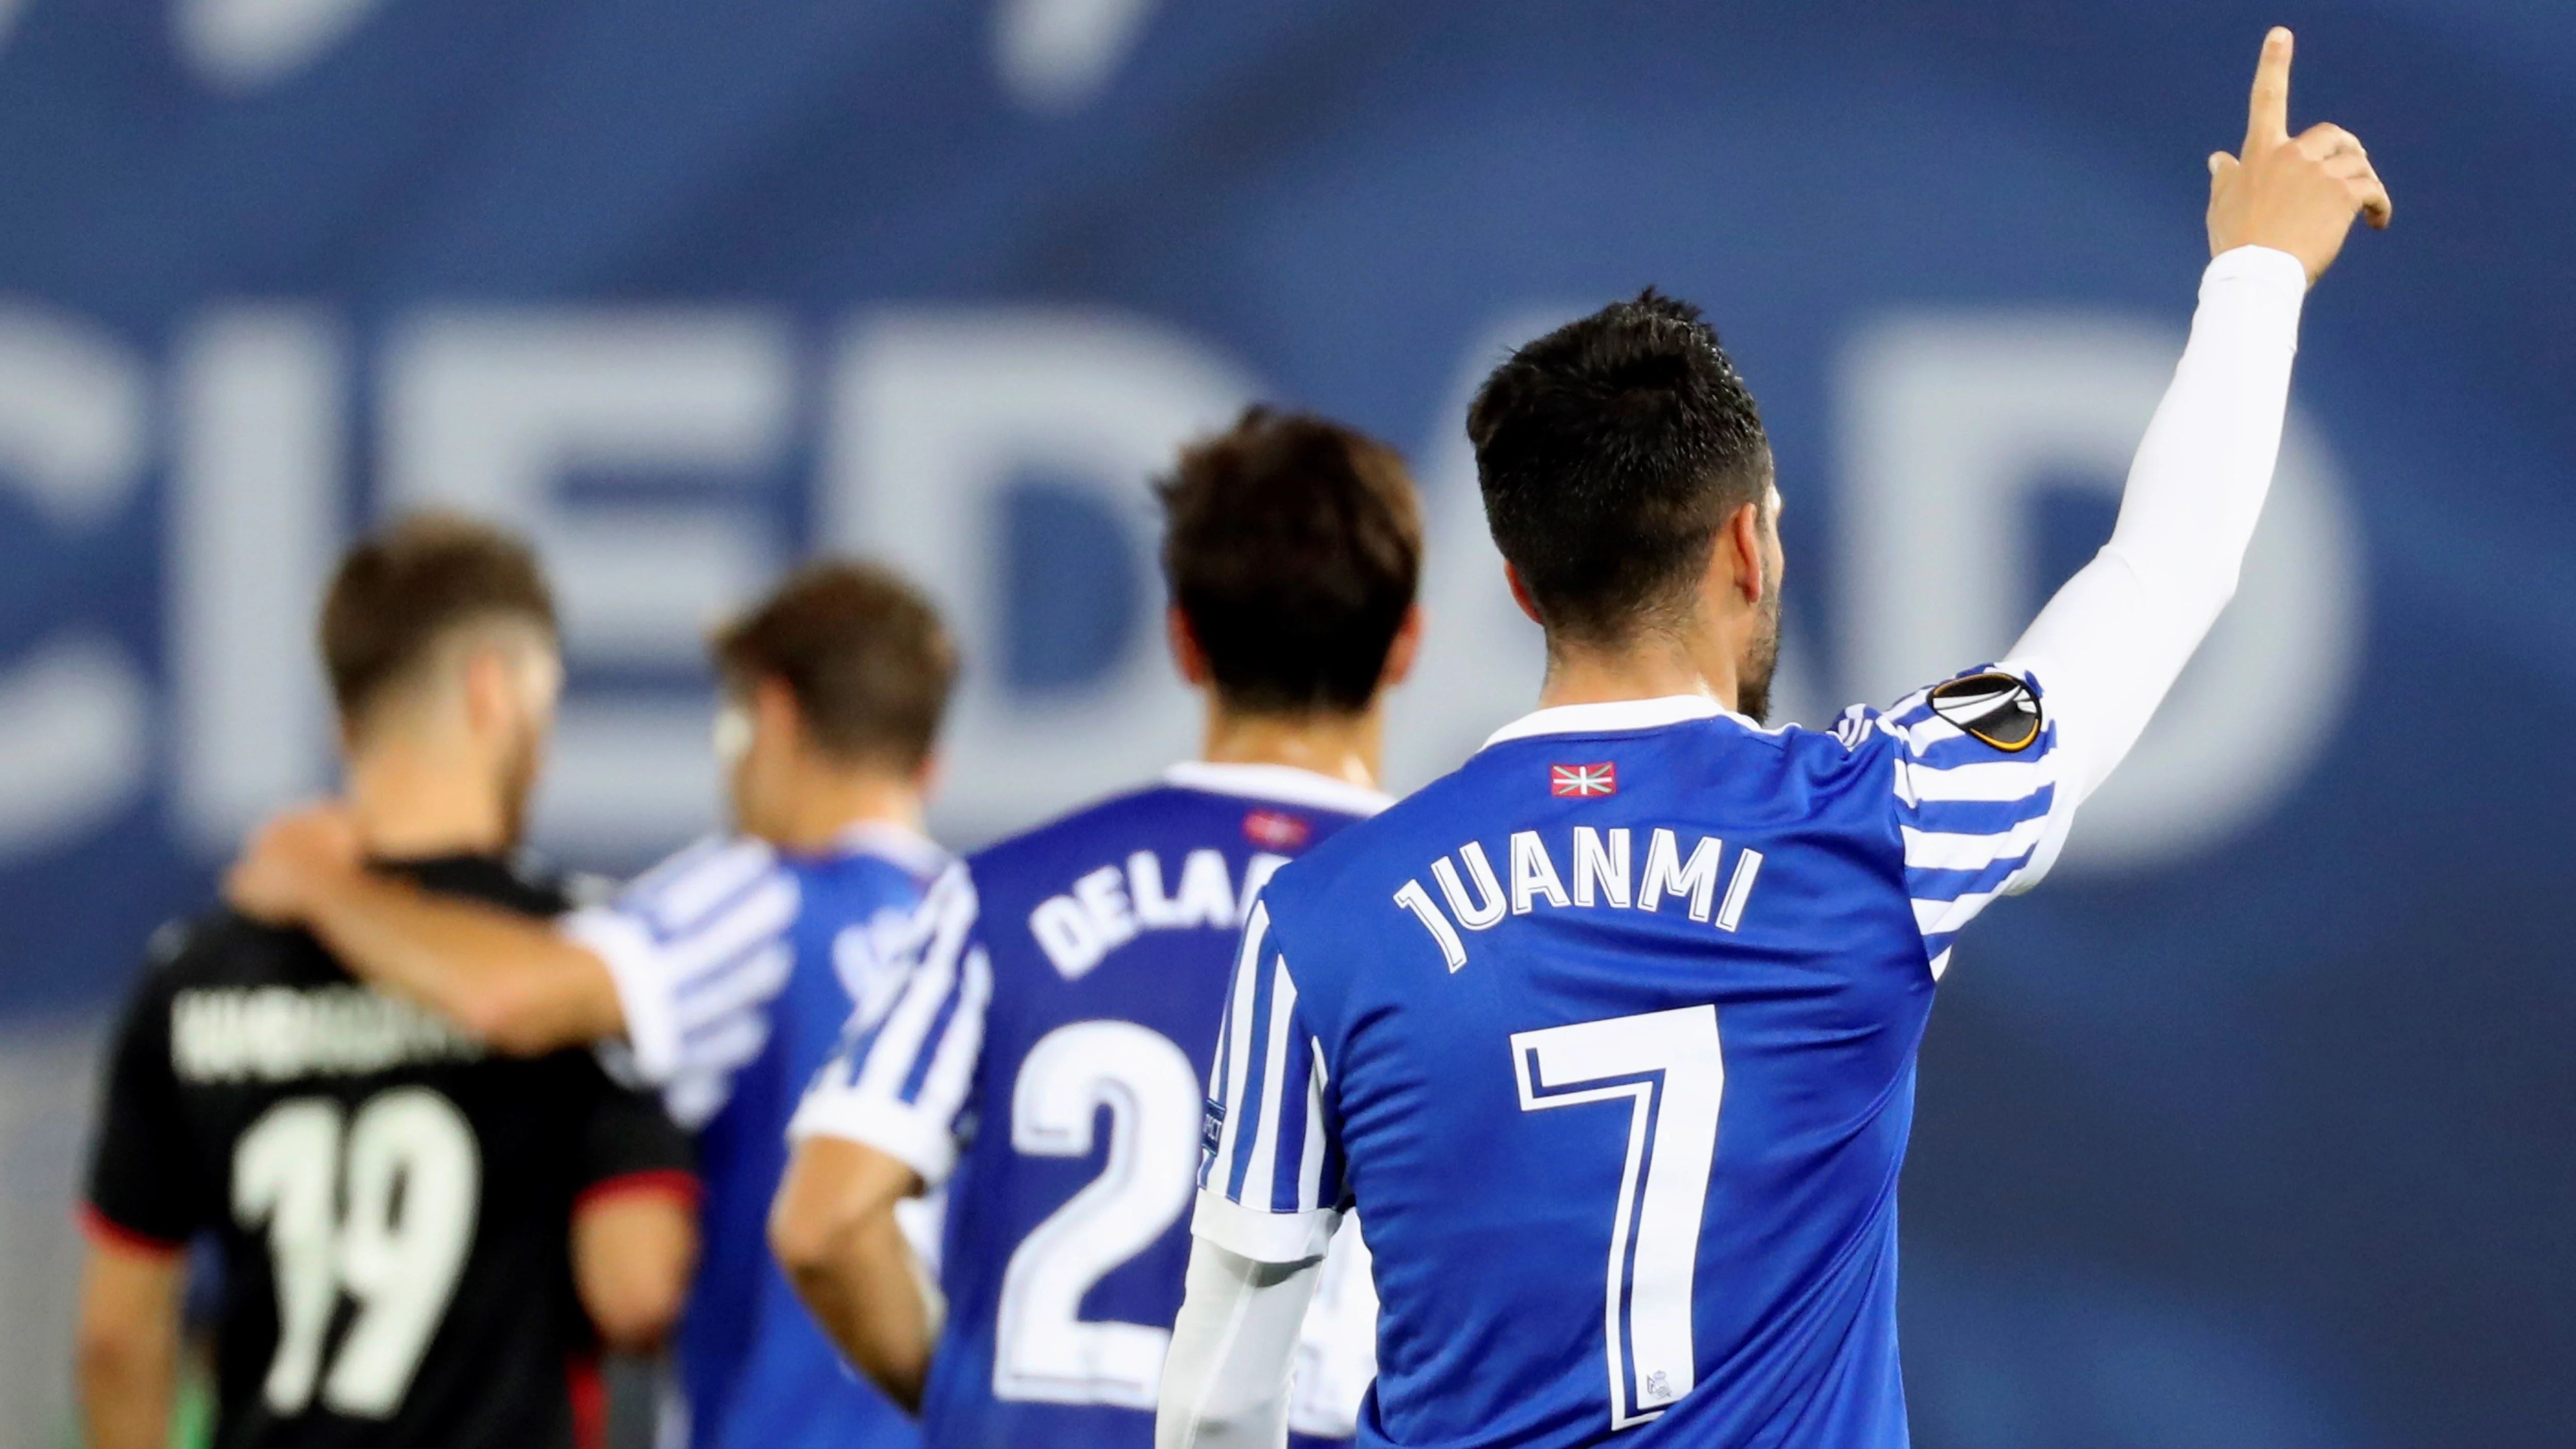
74 713
1951 423
644 449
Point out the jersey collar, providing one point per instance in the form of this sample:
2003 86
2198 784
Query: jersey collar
1281 784
899 845
1613 716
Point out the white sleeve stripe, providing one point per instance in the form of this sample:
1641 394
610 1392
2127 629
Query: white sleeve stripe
1941 850
1926 733
919 1140
952 1071
717 1047
754 888
679 863
1260 1180
1264 1237
945 917
1310 1167
1935 918
902 1039
1994 781
743 989
625 947
718 940
680 903
1238 1042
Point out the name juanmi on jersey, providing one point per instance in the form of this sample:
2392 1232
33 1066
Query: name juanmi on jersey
1106 908
1598 877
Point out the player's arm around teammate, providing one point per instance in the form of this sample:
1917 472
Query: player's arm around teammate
679 969
2108 647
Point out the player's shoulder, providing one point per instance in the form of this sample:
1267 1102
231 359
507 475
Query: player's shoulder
1158 814
524 882
213 947
1991 713
702 879
1678 768
1383 841
868 868
1021 859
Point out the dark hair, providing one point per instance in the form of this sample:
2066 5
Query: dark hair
862 651
1610 452
400 593
1293 546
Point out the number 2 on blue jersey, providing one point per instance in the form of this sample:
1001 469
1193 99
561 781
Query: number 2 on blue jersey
1666 1065
1046 1350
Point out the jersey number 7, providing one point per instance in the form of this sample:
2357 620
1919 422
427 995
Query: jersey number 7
1667 1067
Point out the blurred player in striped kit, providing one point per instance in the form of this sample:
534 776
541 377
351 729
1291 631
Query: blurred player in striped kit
1047 1055
722 975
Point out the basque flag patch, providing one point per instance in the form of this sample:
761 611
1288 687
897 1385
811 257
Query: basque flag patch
1582 782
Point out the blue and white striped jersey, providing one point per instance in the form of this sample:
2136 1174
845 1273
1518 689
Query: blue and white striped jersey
1609 1039
737 966
1047 1059
698 949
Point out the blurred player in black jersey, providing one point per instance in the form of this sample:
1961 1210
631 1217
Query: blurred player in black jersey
422 1245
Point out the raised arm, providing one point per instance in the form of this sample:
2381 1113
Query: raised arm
2111 643
514 983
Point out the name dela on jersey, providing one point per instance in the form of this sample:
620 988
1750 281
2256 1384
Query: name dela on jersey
1598 877
1106 908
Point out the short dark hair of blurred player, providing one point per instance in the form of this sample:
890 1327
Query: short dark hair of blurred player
1084 965
1610 1035
411 1231
725 972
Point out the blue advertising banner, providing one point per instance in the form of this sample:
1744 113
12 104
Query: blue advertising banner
2251 1129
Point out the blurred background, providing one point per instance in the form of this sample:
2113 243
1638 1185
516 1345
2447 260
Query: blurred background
2257 1127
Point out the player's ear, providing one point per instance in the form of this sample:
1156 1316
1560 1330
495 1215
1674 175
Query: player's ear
1402 650
1743 551
1187 656
1521 594
487 683
775 715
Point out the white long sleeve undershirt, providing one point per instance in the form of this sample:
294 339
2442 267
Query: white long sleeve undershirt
1225 1382
2106 649
2111 642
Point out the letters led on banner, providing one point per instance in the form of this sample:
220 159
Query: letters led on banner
929 419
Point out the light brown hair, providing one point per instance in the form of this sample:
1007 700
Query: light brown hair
862 651
400 593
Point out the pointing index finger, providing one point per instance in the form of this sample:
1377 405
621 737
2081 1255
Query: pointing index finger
2267 118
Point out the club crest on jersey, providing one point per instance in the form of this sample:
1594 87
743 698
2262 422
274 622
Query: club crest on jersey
1582 782
1998 709
1276 829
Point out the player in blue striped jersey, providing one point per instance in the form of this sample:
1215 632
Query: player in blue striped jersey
1609 1037
724 974
1047 1058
